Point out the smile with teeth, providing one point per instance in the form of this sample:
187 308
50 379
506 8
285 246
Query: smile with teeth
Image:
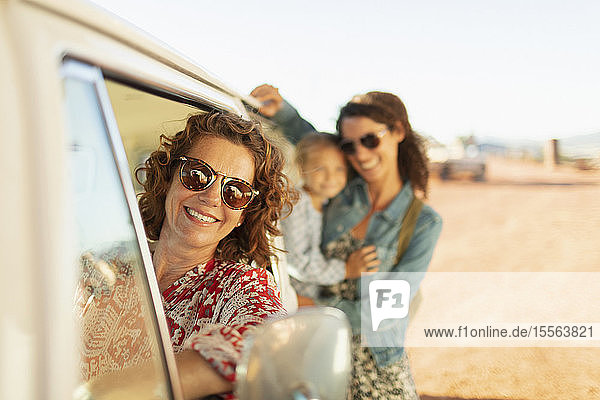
198 216
369 164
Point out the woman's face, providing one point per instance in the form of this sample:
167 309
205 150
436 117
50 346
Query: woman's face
201 219
373 165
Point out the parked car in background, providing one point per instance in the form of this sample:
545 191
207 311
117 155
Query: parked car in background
461 158
84 99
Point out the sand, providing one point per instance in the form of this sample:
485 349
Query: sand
524 217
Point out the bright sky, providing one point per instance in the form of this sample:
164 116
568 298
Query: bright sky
504 68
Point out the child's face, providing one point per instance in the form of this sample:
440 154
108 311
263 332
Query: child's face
324 172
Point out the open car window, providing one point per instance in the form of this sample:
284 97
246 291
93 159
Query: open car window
143 116
113 125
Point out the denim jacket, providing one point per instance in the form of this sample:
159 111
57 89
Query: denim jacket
350 207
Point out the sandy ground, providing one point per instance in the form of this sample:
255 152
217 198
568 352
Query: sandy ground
523 218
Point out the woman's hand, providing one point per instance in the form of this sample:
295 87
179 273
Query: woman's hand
270 98
362 260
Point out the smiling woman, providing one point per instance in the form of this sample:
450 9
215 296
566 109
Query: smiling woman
213 194
209 143
381 208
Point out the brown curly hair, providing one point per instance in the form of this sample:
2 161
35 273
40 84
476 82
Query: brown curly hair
386 108
248 242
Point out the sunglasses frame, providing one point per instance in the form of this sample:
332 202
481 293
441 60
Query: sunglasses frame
378 136
226 179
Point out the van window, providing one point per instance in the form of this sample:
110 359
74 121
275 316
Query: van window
122 353
142 117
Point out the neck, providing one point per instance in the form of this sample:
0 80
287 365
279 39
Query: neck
317 201
172 259
383 192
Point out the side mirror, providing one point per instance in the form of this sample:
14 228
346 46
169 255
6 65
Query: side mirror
303 357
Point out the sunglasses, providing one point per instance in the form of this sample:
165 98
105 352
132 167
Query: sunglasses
196 175
369 141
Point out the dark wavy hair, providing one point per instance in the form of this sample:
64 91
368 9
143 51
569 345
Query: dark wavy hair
248 242
388 109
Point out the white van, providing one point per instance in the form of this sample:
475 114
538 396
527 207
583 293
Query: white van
84 99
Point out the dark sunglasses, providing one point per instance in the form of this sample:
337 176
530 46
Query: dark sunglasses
196 175
369 141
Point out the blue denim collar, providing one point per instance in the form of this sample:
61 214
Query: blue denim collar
397 207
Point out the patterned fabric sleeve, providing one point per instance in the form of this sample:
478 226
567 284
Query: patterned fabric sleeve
248 297
302 237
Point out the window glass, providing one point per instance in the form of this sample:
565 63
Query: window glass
142 118
121 352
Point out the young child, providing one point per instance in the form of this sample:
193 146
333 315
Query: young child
324 174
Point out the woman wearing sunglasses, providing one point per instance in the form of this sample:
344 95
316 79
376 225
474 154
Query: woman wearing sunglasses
390 166
212 194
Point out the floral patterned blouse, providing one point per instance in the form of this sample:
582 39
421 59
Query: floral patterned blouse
212 306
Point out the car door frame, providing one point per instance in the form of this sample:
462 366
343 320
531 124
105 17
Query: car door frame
38 38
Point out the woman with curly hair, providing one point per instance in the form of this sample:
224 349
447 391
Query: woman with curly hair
213 194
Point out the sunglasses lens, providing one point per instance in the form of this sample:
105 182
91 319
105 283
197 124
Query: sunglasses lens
195 176
348 148
237 194
198 176
370 141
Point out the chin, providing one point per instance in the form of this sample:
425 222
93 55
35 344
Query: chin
371 176
332 193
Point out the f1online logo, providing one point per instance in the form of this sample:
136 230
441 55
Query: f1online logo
389 300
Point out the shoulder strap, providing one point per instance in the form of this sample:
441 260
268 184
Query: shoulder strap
409 222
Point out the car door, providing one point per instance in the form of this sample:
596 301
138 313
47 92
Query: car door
113 123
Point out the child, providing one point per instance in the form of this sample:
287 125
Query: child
324 173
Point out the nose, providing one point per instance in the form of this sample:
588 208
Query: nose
212 195
362 153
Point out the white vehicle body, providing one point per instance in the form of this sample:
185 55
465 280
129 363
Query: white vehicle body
49 49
